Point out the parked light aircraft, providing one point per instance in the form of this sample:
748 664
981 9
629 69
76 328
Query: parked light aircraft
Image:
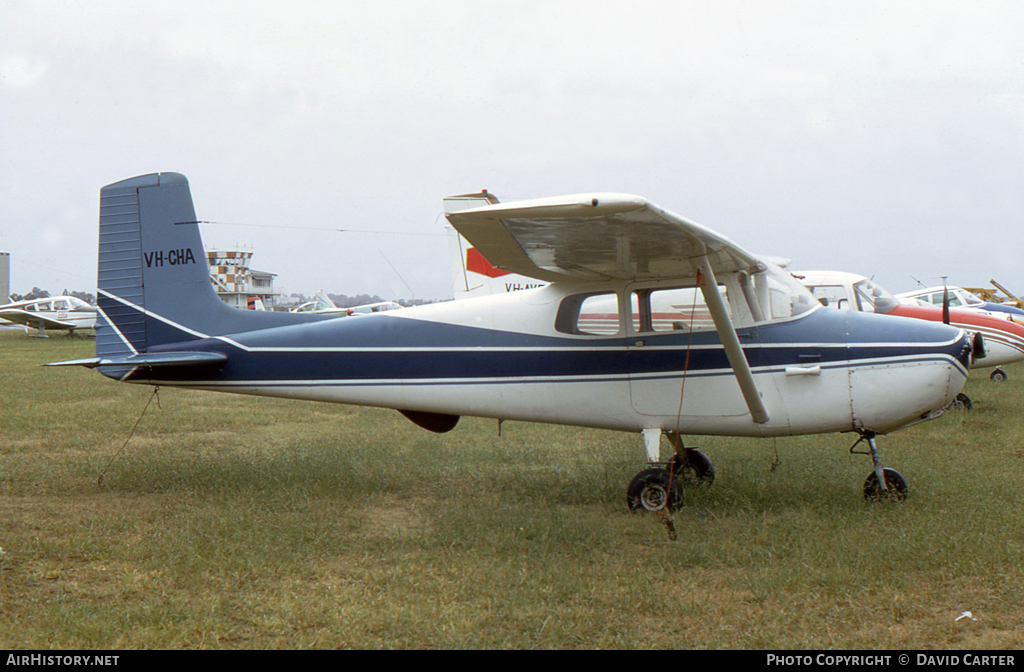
324 305
1003 338
472 274
772 362
66 313
964 299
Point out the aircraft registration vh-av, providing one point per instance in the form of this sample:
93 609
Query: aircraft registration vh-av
650 324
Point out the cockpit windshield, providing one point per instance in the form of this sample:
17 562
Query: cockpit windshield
77 303
319 304
970 299
874 298
775 294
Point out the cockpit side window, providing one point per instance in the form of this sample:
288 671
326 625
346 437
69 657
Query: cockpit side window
674 309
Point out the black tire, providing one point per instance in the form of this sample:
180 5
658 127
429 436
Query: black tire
654 490
998 376
894 481
962 402
698 472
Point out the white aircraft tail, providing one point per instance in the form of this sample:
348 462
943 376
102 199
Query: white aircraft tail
472 274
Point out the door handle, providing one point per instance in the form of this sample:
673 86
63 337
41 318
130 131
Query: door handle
803 370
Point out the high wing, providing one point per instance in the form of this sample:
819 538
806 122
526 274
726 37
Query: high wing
596 237
34 319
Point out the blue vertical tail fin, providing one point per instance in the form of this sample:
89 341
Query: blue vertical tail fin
153 280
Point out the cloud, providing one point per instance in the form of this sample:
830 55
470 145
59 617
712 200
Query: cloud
52 236
869 121
18 71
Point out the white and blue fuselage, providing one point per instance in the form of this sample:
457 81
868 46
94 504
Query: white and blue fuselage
503 357
651 323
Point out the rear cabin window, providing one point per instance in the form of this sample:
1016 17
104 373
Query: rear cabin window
589 314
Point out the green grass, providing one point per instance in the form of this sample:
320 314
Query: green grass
232 521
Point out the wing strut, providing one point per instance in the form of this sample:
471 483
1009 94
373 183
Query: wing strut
738 361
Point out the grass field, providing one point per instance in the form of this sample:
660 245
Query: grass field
238 522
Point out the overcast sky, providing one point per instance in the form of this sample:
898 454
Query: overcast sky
884 139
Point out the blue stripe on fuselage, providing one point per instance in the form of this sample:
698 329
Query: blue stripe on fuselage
380 350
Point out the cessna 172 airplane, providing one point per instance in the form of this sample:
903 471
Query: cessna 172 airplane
54 312
770 361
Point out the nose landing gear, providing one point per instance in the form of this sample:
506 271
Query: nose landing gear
882 484
962 402
895 487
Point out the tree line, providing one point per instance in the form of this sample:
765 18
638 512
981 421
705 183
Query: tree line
38 293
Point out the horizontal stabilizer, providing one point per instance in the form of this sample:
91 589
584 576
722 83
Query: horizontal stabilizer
150 359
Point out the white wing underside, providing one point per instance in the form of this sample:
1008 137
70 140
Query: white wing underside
34 319
596 237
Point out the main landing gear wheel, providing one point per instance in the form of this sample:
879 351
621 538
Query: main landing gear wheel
962 402
894 481
655 490
696 469
998 376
